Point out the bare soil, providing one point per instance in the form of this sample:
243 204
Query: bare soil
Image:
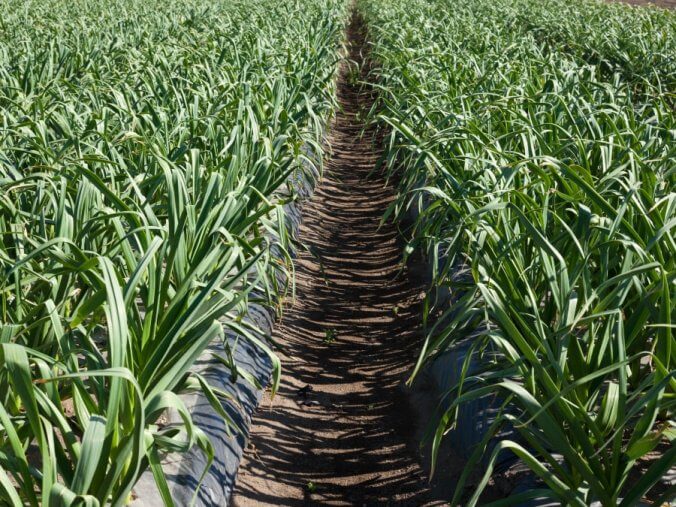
341 430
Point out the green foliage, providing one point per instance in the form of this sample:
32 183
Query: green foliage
537 141
144 149
330 336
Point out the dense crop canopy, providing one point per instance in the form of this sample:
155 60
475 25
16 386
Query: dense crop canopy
143 147
537 139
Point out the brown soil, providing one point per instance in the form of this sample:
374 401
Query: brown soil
340 430
343 429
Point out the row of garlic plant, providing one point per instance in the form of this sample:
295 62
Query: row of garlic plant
144 152
536 140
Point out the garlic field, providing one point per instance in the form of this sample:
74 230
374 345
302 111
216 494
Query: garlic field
141 147
537 141
147 150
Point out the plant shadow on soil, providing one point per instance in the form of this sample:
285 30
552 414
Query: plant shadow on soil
341 428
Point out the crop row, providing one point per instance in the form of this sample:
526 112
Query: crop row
536 140
144 150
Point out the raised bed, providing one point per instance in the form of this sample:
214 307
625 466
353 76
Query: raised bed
184 470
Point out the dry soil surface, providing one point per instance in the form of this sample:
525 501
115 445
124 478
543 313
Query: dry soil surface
340 430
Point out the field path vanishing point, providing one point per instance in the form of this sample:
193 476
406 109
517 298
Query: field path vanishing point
340 430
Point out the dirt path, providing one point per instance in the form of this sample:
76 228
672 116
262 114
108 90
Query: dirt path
339 431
